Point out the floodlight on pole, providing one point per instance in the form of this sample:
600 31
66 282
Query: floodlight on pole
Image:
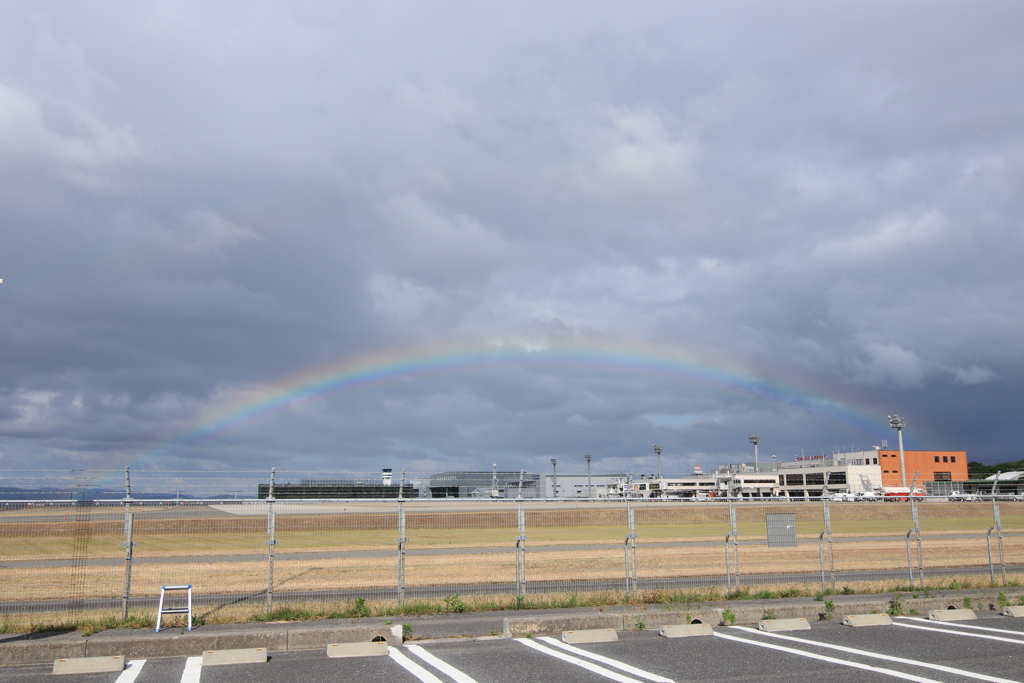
554 477
590 489
754 439
898 423
657 450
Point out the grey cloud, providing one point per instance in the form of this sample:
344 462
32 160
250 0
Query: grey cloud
200 200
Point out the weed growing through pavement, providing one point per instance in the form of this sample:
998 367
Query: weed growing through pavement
895 605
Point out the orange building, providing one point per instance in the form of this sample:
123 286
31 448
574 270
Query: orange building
932 466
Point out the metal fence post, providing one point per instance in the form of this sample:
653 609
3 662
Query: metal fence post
630 551
998 528
271 542
521 553
728 571
128 544
826 513
401 552
917 534
735 541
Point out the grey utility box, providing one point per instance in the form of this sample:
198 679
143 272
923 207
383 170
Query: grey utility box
781 529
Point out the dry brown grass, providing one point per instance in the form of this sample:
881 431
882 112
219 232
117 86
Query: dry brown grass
236 538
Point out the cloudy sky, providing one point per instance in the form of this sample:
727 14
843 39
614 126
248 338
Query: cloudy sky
645 222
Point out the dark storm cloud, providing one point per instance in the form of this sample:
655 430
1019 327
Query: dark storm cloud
198 200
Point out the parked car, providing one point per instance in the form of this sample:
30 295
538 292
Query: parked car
963 497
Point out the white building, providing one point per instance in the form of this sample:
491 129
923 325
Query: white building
802 478
576 485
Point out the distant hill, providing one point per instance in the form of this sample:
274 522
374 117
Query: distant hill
978 470
21 493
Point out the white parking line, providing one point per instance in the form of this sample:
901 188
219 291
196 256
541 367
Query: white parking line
865 653
832 660
607 673
440 665
412 667
193 668
607 660
960 633
958 624
131 671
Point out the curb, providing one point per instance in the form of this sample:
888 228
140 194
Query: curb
150 644
45 648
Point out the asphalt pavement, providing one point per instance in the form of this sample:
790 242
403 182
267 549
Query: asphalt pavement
912 649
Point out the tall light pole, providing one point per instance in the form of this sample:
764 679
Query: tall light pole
657 449
590 489
554 477
898 423
754 438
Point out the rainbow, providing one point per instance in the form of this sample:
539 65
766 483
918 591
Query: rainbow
391 366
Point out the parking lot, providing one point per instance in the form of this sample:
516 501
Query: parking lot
912 649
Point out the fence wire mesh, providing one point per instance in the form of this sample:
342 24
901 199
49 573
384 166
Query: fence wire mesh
68 560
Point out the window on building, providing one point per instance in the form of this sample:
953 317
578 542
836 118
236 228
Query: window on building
875 462
943 476
885 471
837 478
952 458
815 478
936 458
945 458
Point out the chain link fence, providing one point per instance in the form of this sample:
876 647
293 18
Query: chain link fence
67 560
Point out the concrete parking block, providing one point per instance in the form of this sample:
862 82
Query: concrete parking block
772 625
377 649
1014 611
952 615
88 665
686 630
593 635
254 655
856 620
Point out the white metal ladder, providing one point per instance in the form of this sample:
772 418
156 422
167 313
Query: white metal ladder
160 611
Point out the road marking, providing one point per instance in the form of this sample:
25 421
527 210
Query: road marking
961 633
832 660
193 668
607 660
412 667
865 653
958 624
131 671
440 665
607 673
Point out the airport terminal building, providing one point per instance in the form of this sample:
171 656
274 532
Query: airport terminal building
938 472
